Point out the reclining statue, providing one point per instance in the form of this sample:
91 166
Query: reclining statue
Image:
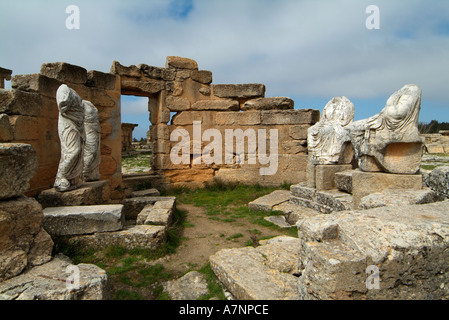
329 139
390 141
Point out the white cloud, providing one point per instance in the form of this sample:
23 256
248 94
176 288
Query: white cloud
297 48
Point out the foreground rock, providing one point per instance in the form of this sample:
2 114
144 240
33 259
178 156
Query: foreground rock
261 273
74 220
53 281
191 286
23 241
18 164
407 246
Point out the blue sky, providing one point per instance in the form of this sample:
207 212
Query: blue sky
308 50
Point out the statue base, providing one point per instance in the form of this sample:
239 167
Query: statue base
89 193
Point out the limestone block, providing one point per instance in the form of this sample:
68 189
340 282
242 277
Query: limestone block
177 103
101 80
365 183
239 91
160 131
131 237
438 180
216 105
180 63
36 83
154 216
261 273
392 197
186 118
343 180
74 220
157 73
142 87
276 103
267 202
18 164
131 71
325 175
434 148
64 72
294 146
248 118
23 242
202 76
17 102
6 131
298 132
145 193
48 282
25 128
290 117
133 206
89 193
405 243
191 286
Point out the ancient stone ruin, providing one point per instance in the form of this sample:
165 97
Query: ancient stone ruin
370 224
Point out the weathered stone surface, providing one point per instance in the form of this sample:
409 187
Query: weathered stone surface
23 242
155 216
49 282
145 193
438 180
261 273
191 286
177 103
139 87
17 102
92 151
328 140
181 63
74 220
64 72
18 164
90 193
101 80
390 141
131 71
280 221
133 206
248 118
131 237
267 202
6 131
250 90
272 103
343 180
325 175
216 105
395 197
290 117
406 243
36 83
365 183
202 76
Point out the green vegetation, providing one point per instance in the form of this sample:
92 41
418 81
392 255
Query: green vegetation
134 274
138 162
433 126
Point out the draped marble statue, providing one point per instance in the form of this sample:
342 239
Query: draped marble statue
92 155
72 137
390 141
329 139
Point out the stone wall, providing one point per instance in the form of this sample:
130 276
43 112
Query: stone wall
437 142
127 136
29 114
180 95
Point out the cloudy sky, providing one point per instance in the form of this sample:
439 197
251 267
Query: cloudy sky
308 50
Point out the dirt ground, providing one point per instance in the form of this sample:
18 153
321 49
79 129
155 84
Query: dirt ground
203 237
